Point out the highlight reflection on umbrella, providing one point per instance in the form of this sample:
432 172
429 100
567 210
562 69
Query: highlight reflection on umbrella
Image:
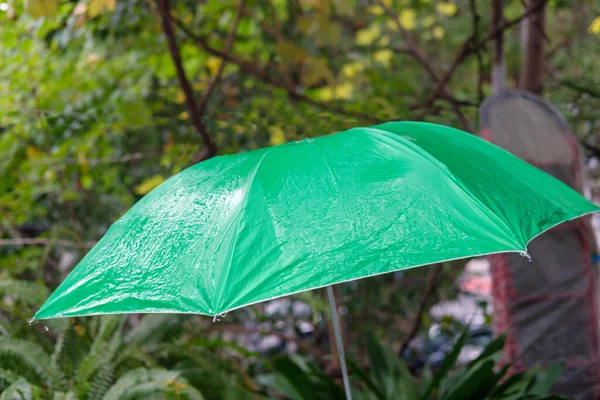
237 230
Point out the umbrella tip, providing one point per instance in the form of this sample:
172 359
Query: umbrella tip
31 321
526 255
217 317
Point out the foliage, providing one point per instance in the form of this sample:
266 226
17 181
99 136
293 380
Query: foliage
109 358
388 378
93 116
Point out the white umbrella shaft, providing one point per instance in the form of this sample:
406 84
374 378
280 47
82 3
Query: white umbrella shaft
338 342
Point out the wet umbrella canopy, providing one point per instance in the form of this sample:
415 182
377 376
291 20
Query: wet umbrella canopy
241 229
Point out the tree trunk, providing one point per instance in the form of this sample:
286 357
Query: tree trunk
533 37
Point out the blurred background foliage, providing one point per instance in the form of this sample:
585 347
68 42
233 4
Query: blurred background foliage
94 115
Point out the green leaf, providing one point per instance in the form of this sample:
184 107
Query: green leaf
296 383
140 383
475 384
546 378
447 365
30 293
21 390
41 8
389 372
147 185
494 347
30 357
366 379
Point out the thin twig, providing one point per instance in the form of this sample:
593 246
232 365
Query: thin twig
429 289
94 161
193 109
267 77
470 46
480 70
205 153
44 242
420 57
227 49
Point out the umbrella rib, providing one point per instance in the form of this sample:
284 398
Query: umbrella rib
444 168
235 221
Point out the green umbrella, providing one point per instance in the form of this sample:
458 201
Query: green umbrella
238 230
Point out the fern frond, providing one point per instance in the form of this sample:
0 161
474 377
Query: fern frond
70 395
151 328
4 327
31 358
101 382
58 348
30 293
21 389
7 378
102 350
144 383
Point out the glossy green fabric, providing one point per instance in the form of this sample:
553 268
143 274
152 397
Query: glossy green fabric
241 229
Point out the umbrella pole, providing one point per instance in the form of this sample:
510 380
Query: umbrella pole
338 341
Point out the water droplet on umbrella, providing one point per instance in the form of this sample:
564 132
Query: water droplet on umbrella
46 328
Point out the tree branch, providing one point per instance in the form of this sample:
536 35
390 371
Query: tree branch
421 59
227 49
263 75
95 161
411 43
195 112
471 45
45 241
429 289
480 69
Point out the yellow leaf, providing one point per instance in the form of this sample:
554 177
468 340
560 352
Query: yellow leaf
79 330
289 52
343 91
82 160
345 8
438 32
384 41
325 93
368 35
594 27
322 5
376 10
180 99
350 70
41 8
408 19
184 115
383 57
213 65
315 70
392 25
95 7
92 59
149 184
33 152
447 8
428 21
277 136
